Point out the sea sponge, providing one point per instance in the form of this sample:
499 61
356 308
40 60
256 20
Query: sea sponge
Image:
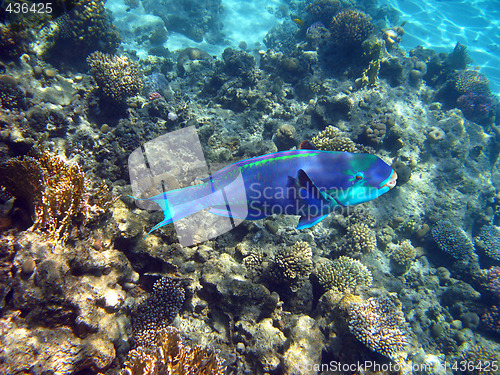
168 355
331 139
293 265
453 240
489 241
117 76
360 238
350 28
380 325
54 191
343 275
157 310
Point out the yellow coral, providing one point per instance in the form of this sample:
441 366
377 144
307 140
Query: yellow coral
343 275
53 190
360 239
331 139
117 76
171 356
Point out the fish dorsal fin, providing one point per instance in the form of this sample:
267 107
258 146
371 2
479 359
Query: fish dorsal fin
306 145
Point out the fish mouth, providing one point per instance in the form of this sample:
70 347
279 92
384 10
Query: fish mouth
392 180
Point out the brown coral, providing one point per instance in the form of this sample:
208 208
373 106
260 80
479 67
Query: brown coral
350 28
343 275
293 265
117 76
53 190
171 356
381 326
360 238
331 139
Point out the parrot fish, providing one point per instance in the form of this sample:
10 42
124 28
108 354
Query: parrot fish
306 182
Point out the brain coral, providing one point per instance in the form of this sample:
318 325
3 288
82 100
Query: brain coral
350 28
293 264
453 240
331 139
489 241
381 326
157 310
116 76
343 275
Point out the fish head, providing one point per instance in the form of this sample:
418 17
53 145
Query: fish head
366 177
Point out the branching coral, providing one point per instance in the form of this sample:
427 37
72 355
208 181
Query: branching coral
404 254
157 310
331 139
293 265
479 359
350 28
453 240
489 241
493 278
86 28
343 275
169 356
117 76
360 238
54 191
381 326
471 81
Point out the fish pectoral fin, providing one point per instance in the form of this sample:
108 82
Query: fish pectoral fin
309 221
309 192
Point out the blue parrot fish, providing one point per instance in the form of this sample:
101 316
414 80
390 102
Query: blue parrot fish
305 182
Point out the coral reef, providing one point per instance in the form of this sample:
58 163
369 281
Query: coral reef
404 254
76 34
169 355
453 240
488 241
349 28
343 275
493 278
381 326
54 191
491 319
116 76
157 310
359 239
476 107
479 359
293 265
331 139
471 81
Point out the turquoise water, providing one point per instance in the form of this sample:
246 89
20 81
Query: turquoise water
250 187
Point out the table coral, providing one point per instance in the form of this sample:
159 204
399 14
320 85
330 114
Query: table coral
169 355
381 326
344 275
54 191
117 76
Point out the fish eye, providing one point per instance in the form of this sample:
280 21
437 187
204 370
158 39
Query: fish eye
359 176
